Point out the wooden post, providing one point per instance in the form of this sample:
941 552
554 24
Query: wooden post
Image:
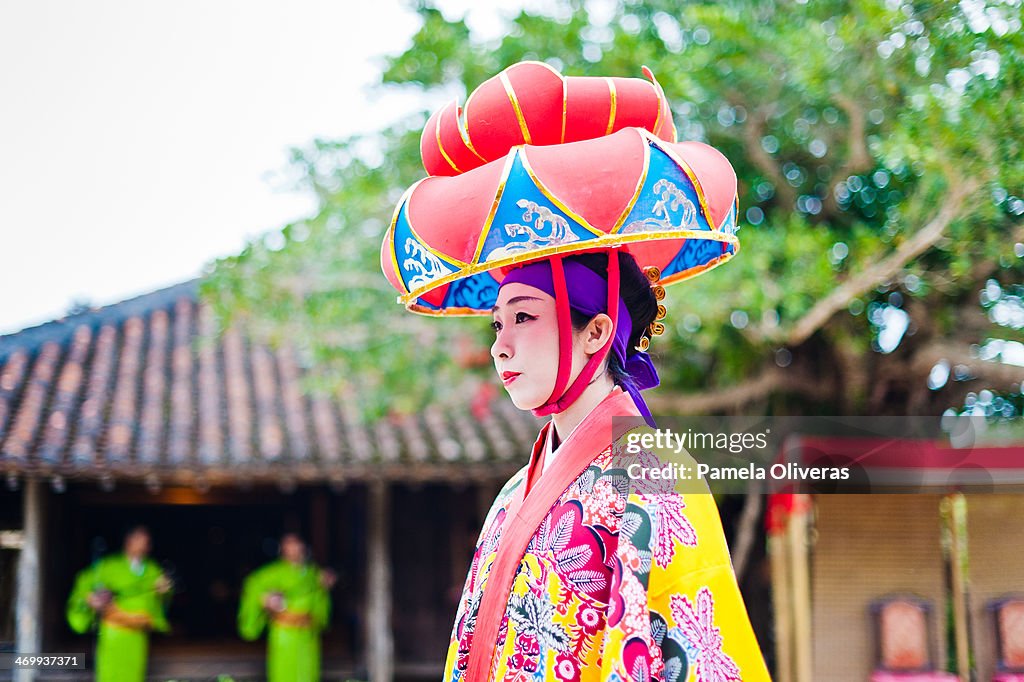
746 529
801 593
782 601
28 609
958 522
380 647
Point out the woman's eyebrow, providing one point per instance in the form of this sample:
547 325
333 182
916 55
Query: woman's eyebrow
516 299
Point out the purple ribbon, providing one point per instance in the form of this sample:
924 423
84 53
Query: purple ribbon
588 293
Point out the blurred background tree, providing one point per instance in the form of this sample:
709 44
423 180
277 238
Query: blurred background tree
878 148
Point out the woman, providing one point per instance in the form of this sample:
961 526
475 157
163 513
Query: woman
290 598
580 573
124 596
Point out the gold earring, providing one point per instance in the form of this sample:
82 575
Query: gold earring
645 343
656 329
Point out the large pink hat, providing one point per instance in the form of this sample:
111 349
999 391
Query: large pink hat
539 164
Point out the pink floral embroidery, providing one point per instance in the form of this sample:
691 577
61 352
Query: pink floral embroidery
634 599
697 623
672 525
589 619
604 506
577 550
642 661
648 488
631 558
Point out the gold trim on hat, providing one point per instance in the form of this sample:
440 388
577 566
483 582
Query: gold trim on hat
505 172
391 231
510 91
685 167
611 111
440 147
551 195
605 241
621 220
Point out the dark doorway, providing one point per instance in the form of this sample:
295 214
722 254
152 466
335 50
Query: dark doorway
208 541
10 528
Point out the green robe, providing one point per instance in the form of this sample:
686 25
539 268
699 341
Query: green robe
120 651
293 652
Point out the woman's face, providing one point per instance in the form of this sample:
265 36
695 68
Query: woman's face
525 348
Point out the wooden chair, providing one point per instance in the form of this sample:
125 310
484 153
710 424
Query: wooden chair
902 641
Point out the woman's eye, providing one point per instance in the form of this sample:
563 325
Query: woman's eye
496 326
522 317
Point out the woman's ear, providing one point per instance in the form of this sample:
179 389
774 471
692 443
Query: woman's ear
597 333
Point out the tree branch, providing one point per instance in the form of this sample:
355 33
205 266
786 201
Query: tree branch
752 134
770 380
983 268
858 158
999 375
973 325
840 297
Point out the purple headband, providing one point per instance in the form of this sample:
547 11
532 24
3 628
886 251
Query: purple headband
588 294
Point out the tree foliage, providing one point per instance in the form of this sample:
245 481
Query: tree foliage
878 147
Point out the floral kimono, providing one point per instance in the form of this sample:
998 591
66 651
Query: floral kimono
581 573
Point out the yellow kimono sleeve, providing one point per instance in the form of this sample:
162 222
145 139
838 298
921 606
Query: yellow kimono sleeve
675 608
697 591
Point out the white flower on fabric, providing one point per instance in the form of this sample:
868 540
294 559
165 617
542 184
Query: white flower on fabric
535 617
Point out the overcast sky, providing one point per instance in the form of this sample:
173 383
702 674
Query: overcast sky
140 140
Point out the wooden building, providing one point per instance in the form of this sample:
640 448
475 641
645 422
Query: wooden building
139 413
942 527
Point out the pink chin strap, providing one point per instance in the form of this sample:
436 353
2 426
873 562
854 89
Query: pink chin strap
555 404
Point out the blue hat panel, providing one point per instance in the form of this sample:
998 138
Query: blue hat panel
477 292
668 200
417 265
526 220
696 253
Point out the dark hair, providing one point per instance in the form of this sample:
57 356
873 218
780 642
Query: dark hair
634 290
132 530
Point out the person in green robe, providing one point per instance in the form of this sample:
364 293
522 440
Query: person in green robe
126 595
290 598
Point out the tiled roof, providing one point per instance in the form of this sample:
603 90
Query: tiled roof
143 390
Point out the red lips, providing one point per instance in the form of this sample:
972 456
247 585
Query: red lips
508 377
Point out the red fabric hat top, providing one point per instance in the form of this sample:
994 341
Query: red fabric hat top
540 164
531 103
